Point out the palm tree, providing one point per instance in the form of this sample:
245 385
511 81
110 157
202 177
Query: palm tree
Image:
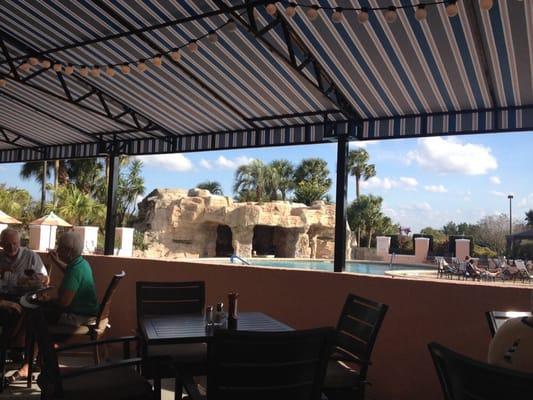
130 187
312 180
282 177
251 178
77 207
358 166
214 187
15 202
88 176
41 172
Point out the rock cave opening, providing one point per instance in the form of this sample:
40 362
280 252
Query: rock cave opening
224 246
272 241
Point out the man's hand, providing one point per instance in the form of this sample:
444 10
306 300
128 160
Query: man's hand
54 257
9 305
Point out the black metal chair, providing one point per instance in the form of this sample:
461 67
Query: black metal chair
170 298
357 331
462 378
265 365
495 319
117 381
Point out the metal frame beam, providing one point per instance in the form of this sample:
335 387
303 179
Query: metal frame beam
18 135
323 82
109 11
92 89
135 31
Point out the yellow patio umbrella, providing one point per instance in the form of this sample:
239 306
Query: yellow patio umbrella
7 219
51 220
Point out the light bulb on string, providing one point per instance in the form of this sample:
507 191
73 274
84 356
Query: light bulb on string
336 17
33 61
69 69
3 82
290 11
231 26
25 66
84 71
421 12
271 9
46 63
451 9
312 13
125 69
175 55
212 37
141 67
157 61
58 67
390 15
486 5
95 71
362 16
110 71
192 47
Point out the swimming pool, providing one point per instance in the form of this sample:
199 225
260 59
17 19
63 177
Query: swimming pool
362 267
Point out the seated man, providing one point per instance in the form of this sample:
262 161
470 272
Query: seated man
16 259
75 303
512 346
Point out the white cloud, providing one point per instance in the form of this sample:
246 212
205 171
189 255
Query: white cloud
171 162
499 194
409 182
496 180
450 155
227 163
362 144
423 206
435 189
206 164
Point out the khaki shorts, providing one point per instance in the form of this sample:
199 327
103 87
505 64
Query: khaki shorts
70 319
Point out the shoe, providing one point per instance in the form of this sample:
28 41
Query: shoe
16 377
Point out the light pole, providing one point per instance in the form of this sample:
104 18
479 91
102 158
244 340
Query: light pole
510 197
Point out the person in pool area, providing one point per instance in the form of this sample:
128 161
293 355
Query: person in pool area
75 303
512 346
16 261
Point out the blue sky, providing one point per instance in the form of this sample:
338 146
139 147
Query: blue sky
424 182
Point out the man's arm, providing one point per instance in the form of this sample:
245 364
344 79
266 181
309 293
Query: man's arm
55 259
65 298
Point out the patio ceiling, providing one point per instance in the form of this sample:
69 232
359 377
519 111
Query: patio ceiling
274 81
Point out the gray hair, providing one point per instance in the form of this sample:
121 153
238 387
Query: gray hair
72 241
9 231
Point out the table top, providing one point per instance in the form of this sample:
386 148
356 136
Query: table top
191 328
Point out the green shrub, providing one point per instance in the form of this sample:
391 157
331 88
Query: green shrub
481 251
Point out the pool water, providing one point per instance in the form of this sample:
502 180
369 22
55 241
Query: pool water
351 266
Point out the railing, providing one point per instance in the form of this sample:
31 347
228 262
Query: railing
236 257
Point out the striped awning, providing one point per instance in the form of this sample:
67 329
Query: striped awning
273 81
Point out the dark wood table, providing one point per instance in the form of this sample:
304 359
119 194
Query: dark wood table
191 328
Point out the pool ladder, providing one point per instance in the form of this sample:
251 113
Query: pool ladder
392 259
234 256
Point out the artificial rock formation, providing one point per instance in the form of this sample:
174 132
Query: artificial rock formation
177 223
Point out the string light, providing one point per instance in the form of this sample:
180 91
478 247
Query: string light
451 9
141 67
231 26
175 55
95 71
336 17
125 69
421 12
271 9
212 37
58 67
25 66
312 13
46 63
2 82
157 61
486 5
33 61
84 71
290 11
110 71
69 70
362 16
192 47
390 15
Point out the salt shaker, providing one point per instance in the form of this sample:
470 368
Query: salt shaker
219 315
209 315
232 305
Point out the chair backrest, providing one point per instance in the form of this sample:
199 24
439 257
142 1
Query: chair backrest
495 319
268 365
164 298
358 328
105 305
462 378
50 378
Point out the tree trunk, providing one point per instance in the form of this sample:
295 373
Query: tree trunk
370 232
358 236
43 188
356 187
56 180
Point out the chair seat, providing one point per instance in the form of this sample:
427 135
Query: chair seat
340 375
116 383
77 330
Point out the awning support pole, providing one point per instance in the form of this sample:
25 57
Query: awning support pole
340 204
110 219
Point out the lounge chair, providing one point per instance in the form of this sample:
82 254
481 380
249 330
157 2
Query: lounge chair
522 271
